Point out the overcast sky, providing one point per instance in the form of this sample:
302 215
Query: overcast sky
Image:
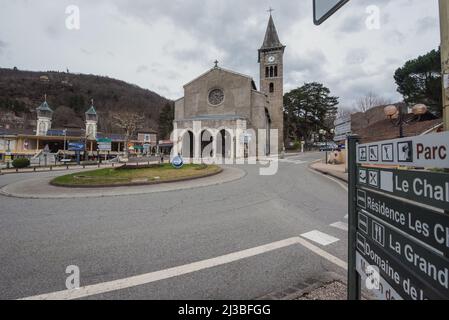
161 45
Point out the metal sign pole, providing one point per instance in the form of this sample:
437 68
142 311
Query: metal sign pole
354 291
444 25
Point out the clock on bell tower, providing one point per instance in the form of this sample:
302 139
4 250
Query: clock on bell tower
271 60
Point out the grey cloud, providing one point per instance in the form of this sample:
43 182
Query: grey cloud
425 24
3 46
356 56
141 69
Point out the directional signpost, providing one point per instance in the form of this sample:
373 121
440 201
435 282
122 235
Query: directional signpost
323 9
399 226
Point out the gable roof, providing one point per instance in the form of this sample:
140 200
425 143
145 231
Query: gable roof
224 70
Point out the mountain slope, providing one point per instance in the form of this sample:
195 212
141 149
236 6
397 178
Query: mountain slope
69 95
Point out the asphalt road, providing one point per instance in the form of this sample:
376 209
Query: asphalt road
120 237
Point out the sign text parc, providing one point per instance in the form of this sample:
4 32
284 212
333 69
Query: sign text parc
428 151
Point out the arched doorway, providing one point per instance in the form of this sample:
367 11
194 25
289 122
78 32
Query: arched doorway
188 145
207 144
224 144
268 133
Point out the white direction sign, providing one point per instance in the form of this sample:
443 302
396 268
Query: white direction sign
374 282
428 151
323 9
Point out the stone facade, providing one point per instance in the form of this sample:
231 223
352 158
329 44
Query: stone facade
223 115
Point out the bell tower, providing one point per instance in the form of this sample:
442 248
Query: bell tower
91 122
271 60
44 117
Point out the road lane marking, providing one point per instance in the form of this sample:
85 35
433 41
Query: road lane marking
163 274
292 161
151 277
340 225
320 237
333 259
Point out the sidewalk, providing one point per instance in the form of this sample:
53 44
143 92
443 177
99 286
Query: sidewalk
336 171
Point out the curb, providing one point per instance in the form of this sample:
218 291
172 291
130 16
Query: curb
327 173
240 174
135 184
303 288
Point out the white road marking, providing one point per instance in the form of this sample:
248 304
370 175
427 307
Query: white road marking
340 263
330 178
319 237
182 270
340 225
292 161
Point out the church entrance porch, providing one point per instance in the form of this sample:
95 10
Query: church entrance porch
206 141
225 145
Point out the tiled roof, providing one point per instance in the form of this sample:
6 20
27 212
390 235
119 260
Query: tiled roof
386 129
91 111
44 107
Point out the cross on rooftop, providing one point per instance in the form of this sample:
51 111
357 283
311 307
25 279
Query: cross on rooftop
216 63
270 10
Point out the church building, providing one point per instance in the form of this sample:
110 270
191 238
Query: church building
223 114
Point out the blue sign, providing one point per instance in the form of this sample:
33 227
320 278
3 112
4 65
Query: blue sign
76 146
177 162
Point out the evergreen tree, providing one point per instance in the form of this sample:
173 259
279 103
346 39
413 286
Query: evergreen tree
419 81
166 118
307 110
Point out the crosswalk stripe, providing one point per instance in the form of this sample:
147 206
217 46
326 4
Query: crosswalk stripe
340 225
320 237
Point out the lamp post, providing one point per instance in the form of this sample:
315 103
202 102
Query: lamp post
396 115
444 26
323 134
8 154
65 142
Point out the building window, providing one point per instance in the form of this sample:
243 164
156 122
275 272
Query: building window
276 71
271 87
267 72
271 72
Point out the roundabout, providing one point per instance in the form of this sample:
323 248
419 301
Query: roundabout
45 188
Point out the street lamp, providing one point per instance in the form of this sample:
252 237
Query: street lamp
323 133
8 154
396 115
65 142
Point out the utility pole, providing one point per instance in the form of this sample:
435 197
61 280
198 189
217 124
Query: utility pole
444 26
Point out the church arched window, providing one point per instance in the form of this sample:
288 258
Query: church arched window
271 72
267 72
276 71
271 87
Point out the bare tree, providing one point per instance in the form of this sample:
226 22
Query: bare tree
344 112
129 122
368 102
